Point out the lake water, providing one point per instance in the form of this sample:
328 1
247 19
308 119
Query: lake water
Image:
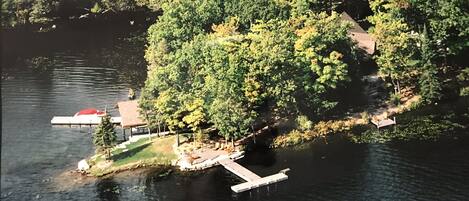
95 68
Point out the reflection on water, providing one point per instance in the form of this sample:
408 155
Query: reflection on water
86 75
107 189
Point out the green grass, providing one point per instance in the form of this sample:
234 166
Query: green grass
141 153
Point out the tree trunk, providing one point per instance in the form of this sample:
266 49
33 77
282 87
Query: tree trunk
177 139
149 133
394 85
159 130
398 87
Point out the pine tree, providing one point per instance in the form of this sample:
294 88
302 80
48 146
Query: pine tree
105 136
430 87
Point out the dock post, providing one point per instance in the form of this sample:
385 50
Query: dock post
149 133
131 132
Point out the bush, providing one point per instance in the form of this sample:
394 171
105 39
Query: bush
365 116
464 91
303 123
201 137
395 99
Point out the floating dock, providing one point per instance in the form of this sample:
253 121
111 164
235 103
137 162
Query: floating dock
384 123
81 120
252 180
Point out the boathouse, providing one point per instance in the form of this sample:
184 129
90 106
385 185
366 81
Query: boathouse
130 116
359 35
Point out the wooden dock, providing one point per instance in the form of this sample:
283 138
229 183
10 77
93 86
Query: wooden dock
259 182
81 120
384 123
252 180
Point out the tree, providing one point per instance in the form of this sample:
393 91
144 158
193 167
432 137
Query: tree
323 50
105 136
430 87
249 11
447 22
230 118
196 114
394 41
232 76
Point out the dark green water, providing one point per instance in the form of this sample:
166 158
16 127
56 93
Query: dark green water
92 69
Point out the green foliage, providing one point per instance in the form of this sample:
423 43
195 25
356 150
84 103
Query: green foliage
249 11
395 98
224 76
96 8
429 84
303 123
196 114
104 136
23 12
419 41
464 91
152 4
365 116
448 23
15 12
230 118
394 40
463 80
419 128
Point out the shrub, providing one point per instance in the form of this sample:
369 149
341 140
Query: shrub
395 98
303 123
365 116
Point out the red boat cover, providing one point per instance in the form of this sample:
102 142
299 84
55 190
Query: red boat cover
90 111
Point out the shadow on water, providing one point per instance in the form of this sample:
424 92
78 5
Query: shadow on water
108 190
260 154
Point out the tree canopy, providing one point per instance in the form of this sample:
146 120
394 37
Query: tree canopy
421 42
104 136
211 64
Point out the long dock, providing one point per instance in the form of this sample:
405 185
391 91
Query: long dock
81 120
252 180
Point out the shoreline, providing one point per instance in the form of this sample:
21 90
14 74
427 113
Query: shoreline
189 152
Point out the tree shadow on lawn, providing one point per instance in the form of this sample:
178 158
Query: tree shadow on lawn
130 152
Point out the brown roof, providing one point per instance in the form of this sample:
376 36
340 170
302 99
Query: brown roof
130 114
364 40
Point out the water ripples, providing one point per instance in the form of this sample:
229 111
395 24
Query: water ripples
33 152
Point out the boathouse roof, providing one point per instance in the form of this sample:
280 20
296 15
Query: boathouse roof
130 114
364 40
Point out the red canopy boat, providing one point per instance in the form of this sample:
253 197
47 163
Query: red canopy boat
90 111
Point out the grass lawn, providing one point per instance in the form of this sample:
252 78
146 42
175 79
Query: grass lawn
141 153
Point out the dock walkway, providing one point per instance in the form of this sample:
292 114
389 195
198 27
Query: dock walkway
252 180
81 120
239 170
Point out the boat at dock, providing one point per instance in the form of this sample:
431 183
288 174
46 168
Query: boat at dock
85 117
90 112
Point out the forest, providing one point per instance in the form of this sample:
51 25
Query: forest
238 65
235 66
